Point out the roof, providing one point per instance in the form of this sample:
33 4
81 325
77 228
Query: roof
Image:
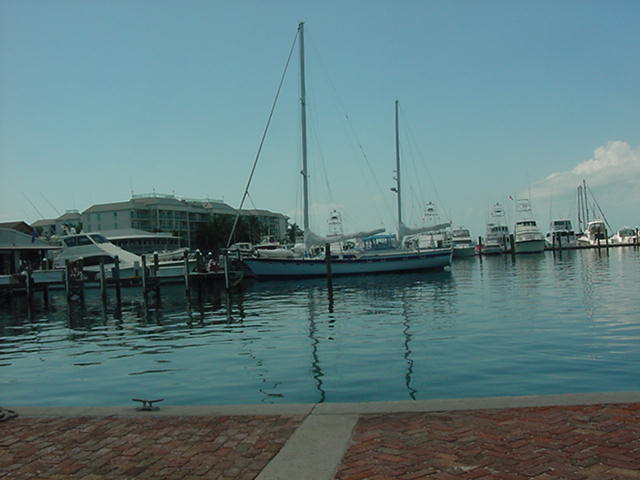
109 207
18 226
14 240
206 206
45 222
72 215
133 233
263 213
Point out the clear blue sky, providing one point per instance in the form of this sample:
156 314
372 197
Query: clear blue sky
99 98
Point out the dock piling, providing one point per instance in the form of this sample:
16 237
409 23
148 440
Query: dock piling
186 274
45 295
80 279
227 283
67 278
143 259
116 280
327 259
156 271
28 283
103 282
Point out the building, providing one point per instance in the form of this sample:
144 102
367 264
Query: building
70 221
167 213
18 248
19 226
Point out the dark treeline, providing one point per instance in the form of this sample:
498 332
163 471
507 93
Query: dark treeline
212 236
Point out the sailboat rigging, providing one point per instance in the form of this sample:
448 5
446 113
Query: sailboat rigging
363 261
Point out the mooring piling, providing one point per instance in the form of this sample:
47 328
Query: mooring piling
225 258
28 282
186 274
116 280
103 282
327 261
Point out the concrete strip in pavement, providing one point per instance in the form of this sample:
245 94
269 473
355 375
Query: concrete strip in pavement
314 451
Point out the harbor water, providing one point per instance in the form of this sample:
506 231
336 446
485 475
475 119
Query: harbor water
562 322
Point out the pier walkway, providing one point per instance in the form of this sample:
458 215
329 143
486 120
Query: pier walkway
584 436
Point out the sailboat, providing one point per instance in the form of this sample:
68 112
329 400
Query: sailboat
365 261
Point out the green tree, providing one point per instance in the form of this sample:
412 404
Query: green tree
294 232
213 235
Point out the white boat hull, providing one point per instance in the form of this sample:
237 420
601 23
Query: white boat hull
493 249
467 251
436 259
529 246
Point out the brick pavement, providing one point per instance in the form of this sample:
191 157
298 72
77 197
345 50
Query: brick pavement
96 448
580 442
600 441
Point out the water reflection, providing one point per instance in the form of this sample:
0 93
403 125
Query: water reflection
362 338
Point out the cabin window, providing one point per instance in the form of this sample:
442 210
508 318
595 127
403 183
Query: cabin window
95 260
83 241
71 242
99 238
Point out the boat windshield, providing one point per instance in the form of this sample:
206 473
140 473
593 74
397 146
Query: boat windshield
527 223
99 238
627 232
77 241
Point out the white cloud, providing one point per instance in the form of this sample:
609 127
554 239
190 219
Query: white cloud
615 164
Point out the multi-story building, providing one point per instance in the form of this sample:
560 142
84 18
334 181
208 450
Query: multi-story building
168 213
70 221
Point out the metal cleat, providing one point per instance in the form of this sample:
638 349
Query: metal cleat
147 405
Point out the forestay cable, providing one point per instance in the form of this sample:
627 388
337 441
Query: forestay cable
264 135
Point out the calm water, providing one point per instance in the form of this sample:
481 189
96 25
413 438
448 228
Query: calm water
538 325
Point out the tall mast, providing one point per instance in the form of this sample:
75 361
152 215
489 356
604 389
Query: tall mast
586 201
303 118
398 191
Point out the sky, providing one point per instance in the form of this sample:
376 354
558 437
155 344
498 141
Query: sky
498 99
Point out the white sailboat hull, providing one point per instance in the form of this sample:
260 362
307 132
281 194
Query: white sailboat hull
436 259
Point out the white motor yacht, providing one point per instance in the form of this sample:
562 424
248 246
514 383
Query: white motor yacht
497 237
94 248
527 235
561 234
625 236
462 243
594 235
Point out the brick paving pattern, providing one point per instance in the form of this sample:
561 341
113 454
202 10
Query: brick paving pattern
582 442
184 448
